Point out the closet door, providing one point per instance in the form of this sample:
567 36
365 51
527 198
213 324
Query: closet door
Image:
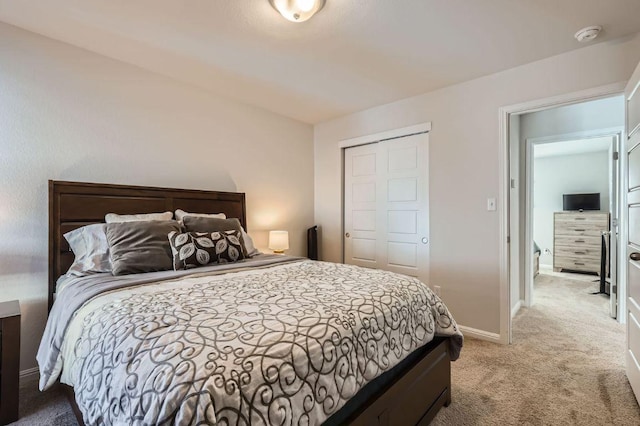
387 205
361 198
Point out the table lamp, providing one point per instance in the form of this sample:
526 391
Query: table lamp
279 241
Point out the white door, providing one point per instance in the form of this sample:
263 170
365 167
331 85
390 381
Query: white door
386 213
361 195
632 96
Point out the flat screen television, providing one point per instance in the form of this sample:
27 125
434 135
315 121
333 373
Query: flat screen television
571 202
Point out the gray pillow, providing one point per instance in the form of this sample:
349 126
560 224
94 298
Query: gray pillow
119 218
137 247
210 224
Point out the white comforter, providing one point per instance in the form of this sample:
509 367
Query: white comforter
283 344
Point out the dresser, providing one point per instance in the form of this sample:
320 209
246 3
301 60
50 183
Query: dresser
577 240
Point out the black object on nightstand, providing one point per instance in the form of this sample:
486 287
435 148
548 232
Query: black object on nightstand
9 360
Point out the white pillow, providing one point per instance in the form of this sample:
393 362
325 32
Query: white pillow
90 246
119 218
180 214
248 242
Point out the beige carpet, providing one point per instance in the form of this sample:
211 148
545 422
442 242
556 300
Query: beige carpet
49 408
565 367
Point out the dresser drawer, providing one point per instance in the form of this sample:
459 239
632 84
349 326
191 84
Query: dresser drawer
585 229
577 263
580 218
577 241
582 252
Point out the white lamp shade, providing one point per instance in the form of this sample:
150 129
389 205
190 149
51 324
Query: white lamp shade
279 241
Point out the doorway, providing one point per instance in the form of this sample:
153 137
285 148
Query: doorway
572 213
517 256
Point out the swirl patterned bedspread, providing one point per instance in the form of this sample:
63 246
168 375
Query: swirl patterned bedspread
282 344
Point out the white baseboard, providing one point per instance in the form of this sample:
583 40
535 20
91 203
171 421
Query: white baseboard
516 308
480 334
24 374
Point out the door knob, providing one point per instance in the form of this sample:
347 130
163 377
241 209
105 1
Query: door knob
634 256
425 240
347 235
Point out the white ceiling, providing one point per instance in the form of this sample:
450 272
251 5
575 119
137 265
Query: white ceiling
581 146
353 55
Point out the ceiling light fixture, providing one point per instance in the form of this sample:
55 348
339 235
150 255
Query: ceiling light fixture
297 10
588 33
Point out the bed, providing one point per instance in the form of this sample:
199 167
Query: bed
268 340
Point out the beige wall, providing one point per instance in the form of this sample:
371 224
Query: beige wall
69 114
463 165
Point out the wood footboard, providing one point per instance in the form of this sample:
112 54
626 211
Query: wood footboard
413 399
417 396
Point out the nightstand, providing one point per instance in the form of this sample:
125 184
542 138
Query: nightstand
9 360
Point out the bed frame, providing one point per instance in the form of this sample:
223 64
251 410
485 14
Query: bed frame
413 396
76 204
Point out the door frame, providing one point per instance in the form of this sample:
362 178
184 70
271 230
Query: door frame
365 140
385 136
613 132
504 163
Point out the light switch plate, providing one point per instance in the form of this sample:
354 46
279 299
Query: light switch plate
491 204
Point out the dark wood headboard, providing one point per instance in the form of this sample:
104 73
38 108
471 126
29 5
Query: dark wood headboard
76 204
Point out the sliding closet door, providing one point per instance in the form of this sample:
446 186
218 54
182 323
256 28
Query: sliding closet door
387 205
405 209
362 194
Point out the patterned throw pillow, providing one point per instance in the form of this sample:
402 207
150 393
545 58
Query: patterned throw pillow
212 224
194 249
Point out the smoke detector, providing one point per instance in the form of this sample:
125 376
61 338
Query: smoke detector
588 33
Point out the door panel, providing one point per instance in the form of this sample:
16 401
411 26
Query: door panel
403 254
633 339
386 212
364 220
632 353
364 250
403 159
405 189
634 168
634 224
634 331
634 284
633 108
364 164
403 222
406 213
360 195
364 192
